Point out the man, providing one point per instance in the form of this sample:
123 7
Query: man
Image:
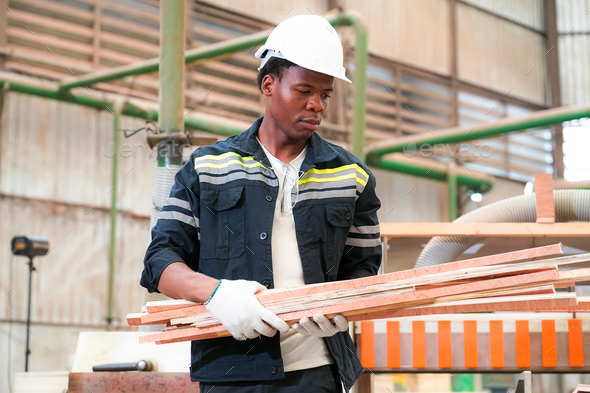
276 206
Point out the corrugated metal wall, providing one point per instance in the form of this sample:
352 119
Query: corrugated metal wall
415 32
63 152
272 10
527 12
56 181
500 55
573 26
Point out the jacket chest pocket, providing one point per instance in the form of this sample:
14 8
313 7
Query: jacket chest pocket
222 223
340 217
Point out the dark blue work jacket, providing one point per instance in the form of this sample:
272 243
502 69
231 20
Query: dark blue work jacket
218 220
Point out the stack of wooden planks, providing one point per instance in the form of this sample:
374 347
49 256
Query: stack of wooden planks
515 281
582 388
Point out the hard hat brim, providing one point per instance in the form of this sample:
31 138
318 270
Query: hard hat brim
263 49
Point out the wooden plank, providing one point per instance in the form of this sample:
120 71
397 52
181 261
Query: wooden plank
134 319
397 301
582 388
576 345
445 359
538 303
289 300
480 229
409 299
544 198
165 305
347 306
277 294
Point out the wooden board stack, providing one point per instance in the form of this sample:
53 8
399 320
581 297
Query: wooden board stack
582 388
515 281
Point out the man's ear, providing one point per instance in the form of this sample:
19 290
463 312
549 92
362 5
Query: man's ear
267 84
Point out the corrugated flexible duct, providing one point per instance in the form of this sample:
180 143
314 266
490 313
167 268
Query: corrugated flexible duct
164 182
570 205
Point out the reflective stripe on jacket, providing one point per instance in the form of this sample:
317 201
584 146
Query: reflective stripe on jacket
218 220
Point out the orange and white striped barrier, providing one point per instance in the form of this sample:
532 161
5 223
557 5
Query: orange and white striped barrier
477 342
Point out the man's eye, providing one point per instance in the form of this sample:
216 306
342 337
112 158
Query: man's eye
304 91
327 96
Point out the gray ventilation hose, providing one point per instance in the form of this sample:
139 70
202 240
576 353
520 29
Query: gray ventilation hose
164 182
570 205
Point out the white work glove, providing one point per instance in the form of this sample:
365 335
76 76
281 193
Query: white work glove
236 307
320 326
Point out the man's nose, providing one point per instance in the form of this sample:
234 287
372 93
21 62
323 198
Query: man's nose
315 104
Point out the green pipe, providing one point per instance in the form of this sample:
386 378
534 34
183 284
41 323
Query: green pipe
346 18
172 45
464 134
191 123
452 191
207 52
361 60
196 123
472 182
343 18
116 109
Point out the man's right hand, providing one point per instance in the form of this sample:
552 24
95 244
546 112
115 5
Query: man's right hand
236 307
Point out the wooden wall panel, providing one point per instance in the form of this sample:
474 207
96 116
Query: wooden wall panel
500 55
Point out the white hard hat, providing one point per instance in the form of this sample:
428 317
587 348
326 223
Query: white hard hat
308 41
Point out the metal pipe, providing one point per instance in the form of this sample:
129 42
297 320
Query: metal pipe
129 109
202 124
452 190
472 182
359 105
340 18
116 109
207 52
542 118
172 45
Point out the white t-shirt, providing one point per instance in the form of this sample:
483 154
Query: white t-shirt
298 352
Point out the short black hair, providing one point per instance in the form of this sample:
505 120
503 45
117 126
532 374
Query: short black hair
275 67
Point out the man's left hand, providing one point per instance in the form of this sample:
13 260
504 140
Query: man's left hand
320 326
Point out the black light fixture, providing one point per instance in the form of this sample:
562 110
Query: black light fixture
30 247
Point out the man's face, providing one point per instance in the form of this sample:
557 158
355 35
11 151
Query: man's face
298 101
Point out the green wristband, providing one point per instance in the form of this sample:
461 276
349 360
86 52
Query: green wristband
215 290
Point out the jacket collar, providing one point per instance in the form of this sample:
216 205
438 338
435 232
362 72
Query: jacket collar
318 150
